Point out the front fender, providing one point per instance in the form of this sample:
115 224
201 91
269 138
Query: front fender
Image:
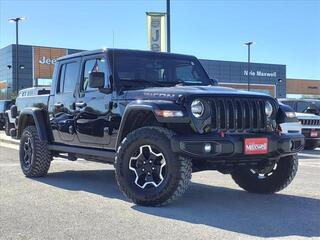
151 106
281 114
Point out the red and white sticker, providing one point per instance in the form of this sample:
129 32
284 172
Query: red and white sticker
313 133
255 146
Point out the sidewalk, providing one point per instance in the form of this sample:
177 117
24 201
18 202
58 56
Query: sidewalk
6 139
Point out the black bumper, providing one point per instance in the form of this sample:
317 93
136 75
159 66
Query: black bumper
313 142
231 146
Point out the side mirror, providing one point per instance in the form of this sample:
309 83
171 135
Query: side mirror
96 80
214 82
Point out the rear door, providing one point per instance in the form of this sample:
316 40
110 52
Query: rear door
63 109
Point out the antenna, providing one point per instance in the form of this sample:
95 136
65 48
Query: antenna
113 73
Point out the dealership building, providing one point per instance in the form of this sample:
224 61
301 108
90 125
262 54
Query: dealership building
35 67
36 64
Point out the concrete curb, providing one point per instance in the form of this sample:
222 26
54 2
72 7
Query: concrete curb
6 139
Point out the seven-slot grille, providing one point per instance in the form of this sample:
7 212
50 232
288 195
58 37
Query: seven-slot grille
310 122
238 114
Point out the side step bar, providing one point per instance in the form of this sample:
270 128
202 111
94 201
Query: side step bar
107 155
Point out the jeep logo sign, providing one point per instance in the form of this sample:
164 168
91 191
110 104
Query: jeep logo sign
156 32
44 59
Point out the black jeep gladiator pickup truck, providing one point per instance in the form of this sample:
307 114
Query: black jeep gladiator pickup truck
157 117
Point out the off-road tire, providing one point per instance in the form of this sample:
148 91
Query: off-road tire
179 169
281 177
7 126
41 156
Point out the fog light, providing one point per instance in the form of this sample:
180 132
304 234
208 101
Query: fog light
207 147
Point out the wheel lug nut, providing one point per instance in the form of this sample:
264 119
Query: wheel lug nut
150 161
149 173
153 168
144 162
142 169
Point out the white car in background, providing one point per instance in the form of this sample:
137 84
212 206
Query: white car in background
308 124
310 129
22 101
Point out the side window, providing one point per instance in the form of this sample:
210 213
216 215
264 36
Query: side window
68 77
92 65
61 78
290 103
302 106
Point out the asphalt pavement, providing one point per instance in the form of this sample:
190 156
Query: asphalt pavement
80 200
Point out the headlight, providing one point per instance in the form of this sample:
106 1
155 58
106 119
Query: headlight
290 114
197 108
268 109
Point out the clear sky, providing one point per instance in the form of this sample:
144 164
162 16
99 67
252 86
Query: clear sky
285 32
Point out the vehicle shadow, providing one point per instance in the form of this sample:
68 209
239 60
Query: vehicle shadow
277 215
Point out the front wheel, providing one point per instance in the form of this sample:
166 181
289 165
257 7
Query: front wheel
147 171
270 179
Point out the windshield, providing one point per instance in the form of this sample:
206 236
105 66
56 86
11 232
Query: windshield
158 69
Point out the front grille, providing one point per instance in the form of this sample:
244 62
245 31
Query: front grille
310 122
238 114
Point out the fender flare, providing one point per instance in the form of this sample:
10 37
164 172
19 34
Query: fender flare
8 115
150 107
40 119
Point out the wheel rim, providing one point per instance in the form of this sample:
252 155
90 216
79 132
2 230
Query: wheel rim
149 166
27 153
265 172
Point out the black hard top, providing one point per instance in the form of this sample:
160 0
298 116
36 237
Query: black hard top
129 51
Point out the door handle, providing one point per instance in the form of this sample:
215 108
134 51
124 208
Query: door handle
80 104
58 104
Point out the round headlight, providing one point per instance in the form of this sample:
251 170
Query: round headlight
197 108
268 109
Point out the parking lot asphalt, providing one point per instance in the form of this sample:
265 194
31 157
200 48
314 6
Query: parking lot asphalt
80 200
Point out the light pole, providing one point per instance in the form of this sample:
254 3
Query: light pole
168 27
7 95
16 20
248 44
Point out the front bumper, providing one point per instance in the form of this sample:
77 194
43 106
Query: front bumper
311 141
231 146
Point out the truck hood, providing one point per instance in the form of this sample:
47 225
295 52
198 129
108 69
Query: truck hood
307 116
173 93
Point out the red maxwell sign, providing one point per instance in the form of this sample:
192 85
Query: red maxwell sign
256 145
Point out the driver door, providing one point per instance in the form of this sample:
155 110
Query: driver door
92 124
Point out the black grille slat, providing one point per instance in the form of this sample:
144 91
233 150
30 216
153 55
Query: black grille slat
238 114
257 104
310 122
248 120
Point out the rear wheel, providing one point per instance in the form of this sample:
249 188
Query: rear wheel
270 179
147 171
35 158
